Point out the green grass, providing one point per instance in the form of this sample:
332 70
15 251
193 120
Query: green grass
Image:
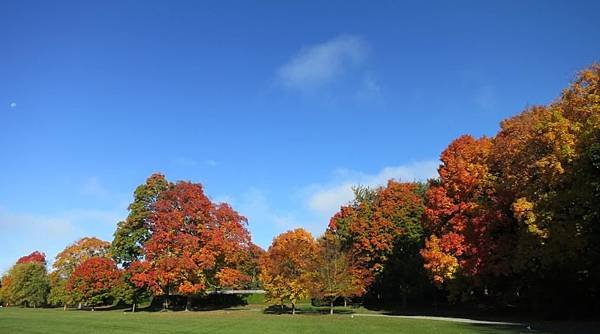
241 320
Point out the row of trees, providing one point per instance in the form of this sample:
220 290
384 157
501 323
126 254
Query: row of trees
516 217
370 249
513 219
175 241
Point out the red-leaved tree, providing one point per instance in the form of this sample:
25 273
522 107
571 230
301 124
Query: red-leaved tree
33 257
195 245
92 281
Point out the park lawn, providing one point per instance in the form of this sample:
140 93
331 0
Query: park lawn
242 320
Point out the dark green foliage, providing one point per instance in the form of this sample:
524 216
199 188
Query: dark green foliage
28 285
134 231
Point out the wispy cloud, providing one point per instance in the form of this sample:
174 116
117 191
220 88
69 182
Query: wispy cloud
189 162
325 200
23 232
316 65
210 163
485 98
264 220
93 187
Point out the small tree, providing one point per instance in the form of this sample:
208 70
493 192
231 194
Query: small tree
126 291
59 296
287 267
67 260
333 275
93 280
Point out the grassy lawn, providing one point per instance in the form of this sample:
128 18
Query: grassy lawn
243 320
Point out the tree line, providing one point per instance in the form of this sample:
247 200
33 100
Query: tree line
512 220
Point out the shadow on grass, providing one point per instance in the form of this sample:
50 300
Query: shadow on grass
177 304
548 327
278 310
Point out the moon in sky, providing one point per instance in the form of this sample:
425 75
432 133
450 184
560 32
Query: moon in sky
13 104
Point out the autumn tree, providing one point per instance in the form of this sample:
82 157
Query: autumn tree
287 267
194 245
93 281
126 291
470 233
382 231
352 226
26 284
333 275
67 260
546 162
132 233
250 265
35 256
4 283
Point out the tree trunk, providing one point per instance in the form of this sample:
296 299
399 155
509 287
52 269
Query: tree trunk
188 304
331 307
133 308
293 309
79 306
345 302
64 307
404 301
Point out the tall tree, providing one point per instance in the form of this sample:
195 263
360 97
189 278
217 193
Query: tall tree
470 234
287 267
194 246
132 233
544 158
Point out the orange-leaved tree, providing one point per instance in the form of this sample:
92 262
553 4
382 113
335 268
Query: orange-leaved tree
469 234
287 267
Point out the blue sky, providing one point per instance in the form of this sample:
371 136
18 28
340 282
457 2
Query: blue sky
276 107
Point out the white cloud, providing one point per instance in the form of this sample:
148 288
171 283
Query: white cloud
318 64
268 217
325 200
23 233
13 104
